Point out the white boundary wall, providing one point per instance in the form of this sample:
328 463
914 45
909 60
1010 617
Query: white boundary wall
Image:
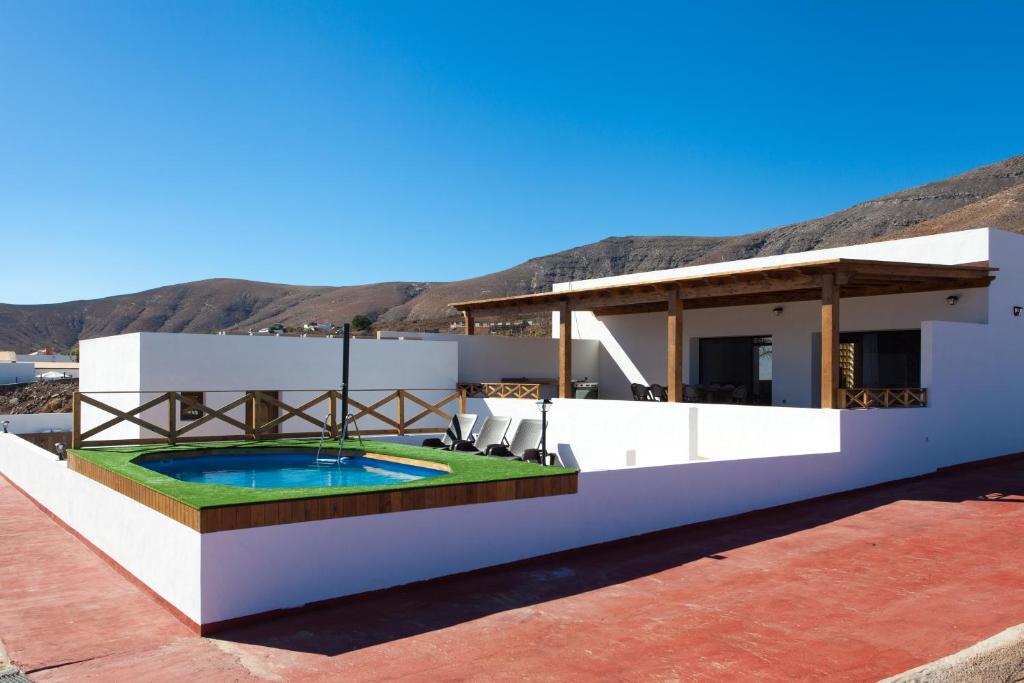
34 423
158 551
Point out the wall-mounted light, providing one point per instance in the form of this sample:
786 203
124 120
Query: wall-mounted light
1017 310
952 299
777 311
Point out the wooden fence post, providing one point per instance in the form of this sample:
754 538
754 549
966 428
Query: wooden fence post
332 412
172 419
253 416
401 412
76 420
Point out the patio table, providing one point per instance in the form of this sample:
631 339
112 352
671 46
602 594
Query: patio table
720 393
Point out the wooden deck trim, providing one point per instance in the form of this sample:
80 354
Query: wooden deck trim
251 515
165 505
439 466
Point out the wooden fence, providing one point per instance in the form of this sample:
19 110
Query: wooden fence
501 390
402 411
883 398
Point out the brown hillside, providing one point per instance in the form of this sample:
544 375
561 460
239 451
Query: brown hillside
988 196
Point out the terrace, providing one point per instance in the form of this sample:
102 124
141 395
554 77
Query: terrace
739 367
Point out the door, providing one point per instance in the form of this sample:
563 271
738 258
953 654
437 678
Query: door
265 412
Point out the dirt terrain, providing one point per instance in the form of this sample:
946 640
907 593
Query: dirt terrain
39 397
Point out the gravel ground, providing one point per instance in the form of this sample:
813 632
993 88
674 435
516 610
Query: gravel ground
37 397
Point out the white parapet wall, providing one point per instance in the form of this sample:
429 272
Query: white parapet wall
161 553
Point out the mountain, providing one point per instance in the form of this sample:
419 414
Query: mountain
990 196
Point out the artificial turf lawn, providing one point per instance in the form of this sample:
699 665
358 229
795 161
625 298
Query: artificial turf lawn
466 468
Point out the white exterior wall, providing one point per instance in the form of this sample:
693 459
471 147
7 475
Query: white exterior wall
230 365
17 373
45 358
158 551
111 364
490 358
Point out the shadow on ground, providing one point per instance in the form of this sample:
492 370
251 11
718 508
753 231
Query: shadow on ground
420 608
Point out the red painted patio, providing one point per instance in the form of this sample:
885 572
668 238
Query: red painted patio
852 587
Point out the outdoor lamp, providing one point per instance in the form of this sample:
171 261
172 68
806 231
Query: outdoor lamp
1016 311
952 299
545 405
777 311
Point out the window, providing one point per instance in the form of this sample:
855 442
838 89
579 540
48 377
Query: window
187 412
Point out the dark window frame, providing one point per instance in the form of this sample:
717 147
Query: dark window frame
187 413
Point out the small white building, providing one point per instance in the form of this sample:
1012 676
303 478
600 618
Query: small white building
17 372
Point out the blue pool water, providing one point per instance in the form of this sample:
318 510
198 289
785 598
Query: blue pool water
286 470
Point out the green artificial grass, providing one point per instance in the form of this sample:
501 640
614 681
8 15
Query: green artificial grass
466 468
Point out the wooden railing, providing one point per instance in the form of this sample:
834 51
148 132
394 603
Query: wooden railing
501 390
390 410
883 398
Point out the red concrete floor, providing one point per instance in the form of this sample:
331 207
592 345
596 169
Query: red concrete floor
853 587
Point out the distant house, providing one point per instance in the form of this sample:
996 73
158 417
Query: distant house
26 367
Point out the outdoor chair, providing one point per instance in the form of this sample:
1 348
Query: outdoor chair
739 394
640 392
491 434
658 392
525 444
693 393
460 428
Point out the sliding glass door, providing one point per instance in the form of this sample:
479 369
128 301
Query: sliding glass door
738 362
880 360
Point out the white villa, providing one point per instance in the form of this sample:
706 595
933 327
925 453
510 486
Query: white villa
782 378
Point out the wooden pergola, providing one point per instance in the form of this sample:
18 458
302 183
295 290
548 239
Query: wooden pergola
825 281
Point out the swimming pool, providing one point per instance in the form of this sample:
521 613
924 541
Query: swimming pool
274 470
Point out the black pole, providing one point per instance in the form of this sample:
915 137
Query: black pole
344 382
543 436
544 405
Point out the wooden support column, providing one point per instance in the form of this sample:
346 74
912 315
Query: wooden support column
468 322
675 347
565 350
829 342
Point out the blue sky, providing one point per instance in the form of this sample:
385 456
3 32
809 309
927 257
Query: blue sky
148 143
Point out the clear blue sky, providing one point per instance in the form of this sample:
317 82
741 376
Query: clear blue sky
148 143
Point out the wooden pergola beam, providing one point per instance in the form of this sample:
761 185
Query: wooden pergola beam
744 287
